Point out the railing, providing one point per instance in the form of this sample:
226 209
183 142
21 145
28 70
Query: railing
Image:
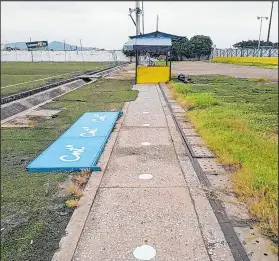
246 52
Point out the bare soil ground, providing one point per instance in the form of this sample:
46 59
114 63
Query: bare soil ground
239 71
128 73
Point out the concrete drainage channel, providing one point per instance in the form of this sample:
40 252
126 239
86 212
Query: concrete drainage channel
14 105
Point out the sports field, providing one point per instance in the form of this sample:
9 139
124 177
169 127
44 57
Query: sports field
21 76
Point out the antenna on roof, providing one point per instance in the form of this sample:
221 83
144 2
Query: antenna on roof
157 24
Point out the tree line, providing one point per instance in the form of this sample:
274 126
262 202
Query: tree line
197 47
254 44
200 46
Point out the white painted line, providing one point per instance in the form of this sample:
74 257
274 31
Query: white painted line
144 252
145 176
146 112
145 144
146 125
37 80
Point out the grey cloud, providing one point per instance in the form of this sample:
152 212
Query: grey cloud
107 25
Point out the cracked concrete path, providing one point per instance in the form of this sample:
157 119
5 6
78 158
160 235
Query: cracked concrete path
150 205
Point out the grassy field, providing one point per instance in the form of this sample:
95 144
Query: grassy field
19 72
33 211
239 121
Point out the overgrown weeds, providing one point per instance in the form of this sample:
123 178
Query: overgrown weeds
239 121
75 188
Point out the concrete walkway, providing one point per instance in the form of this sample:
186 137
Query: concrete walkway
150 205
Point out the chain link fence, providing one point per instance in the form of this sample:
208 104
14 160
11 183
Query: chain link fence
246 52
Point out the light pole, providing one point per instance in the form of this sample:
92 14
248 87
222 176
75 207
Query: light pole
268 34
261 18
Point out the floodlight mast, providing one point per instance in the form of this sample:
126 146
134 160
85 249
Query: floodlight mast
268 34
261 18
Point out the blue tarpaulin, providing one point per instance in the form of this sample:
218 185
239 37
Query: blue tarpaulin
80 147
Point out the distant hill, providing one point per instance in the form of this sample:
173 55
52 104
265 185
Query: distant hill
55 46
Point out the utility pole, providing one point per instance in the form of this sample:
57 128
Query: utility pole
138 12
157 23
31 52
142 17
268 34
261 18
65 50
81 50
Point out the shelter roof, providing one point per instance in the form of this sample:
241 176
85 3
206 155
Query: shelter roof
148 44
156 34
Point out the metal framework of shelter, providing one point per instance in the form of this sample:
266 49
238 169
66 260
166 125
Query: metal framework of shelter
155 42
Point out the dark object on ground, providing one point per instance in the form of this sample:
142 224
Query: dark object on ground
184 78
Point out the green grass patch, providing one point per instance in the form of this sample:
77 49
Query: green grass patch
20 72
161 63
33 211
239 121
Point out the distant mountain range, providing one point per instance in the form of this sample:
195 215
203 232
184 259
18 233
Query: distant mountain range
55 46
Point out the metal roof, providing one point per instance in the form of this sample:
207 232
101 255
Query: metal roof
156 34
148 44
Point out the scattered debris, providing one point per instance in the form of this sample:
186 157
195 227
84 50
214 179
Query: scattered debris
184 78
43 113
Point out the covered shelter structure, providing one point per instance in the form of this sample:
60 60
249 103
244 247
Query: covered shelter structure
155 43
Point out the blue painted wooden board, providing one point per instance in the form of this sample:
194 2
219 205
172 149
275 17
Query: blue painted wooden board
80 147
93 124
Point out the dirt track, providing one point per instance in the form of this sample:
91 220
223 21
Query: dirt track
199 68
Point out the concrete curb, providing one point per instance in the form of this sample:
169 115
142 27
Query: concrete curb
69 242
215 242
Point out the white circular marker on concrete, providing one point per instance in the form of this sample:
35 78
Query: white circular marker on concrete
145 176
146 125
144 252
145 143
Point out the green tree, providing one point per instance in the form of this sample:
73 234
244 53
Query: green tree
200 45
129 53
180 49
253 44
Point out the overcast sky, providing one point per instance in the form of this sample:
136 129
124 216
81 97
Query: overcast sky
107 24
